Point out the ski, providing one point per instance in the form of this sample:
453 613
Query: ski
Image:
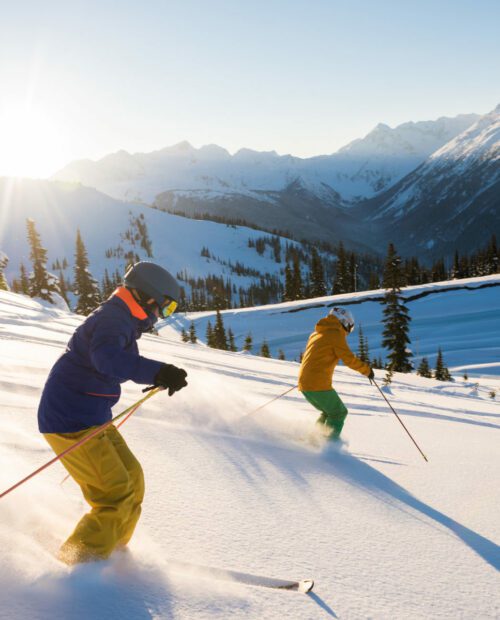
302 585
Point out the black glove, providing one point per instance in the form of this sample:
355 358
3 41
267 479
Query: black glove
371 376
170 377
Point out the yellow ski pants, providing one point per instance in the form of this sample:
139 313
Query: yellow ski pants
112 483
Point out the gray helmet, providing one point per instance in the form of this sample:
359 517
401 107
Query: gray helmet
152 280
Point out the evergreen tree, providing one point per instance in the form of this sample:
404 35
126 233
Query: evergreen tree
24 282
220 339
374 282
281 354
230 338
424 369
318 287
396 316
297 286
492 256
192 333
63 287
184 335
40 284
288 294
108 285
85 286
210 335
388 376
353 273
438 272
363 353
264 350
3 264
248 343
441 373
341 283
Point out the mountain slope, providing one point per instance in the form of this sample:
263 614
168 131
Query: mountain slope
451 201
59 209
384 534
360 169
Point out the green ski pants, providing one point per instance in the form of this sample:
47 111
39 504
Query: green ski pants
333 410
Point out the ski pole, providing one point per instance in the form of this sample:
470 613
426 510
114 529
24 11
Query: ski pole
247 415
400 420
95 432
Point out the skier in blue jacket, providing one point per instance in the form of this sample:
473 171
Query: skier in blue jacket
81 388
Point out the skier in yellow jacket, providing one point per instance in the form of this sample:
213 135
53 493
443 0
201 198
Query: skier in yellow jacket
326 345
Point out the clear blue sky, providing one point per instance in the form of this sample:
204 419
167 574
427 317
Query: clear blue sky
84 78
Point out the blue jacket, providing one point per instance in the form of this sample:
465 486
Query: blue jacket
84 383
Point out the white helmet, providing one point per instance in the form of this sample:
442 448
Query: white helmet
344 316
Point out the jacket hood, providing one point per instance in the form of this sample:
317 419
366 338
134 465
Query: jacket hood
328 322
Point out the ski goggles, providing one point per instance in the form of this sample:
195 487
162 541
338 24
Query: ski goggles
168 307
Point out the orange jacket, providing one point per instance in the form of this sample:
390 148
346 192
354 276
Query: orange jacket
326 345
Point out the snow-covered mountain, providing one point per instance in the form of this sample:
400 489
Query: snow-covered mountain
59 209
384 534
359 170
451 201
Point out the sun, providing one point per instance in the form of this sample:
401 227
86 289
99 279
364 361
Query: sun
30 142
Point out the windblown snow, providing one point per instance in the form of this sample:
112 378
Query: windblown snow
384 534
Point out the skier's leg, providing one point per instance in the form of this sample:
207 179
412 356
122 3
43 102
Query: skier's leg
336 413
137 479
107 487
313 399
333 410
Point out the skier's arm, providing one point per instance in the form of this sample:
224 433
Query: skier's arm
347 356
109 355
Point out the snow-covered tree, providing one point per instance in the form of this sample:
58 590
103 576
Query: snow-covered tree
85 286
41 284
184 335
3 264
396 315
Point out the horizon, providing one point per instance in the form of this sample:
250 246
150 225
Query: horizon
234 152
84 80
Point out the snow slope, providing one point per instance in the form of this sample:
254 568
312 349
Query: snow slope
384 534
460 316
59 209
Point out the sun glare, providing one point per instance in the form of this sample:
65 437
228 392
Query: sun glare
30 143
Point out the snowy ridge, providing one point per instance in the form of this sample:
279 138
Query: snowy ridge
359 170
247 493
478 146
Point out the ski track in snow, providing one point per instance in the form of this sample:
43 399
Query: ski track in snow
384 534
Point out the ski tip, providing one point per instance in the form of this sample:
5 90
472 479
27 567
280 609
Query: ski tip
306 585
